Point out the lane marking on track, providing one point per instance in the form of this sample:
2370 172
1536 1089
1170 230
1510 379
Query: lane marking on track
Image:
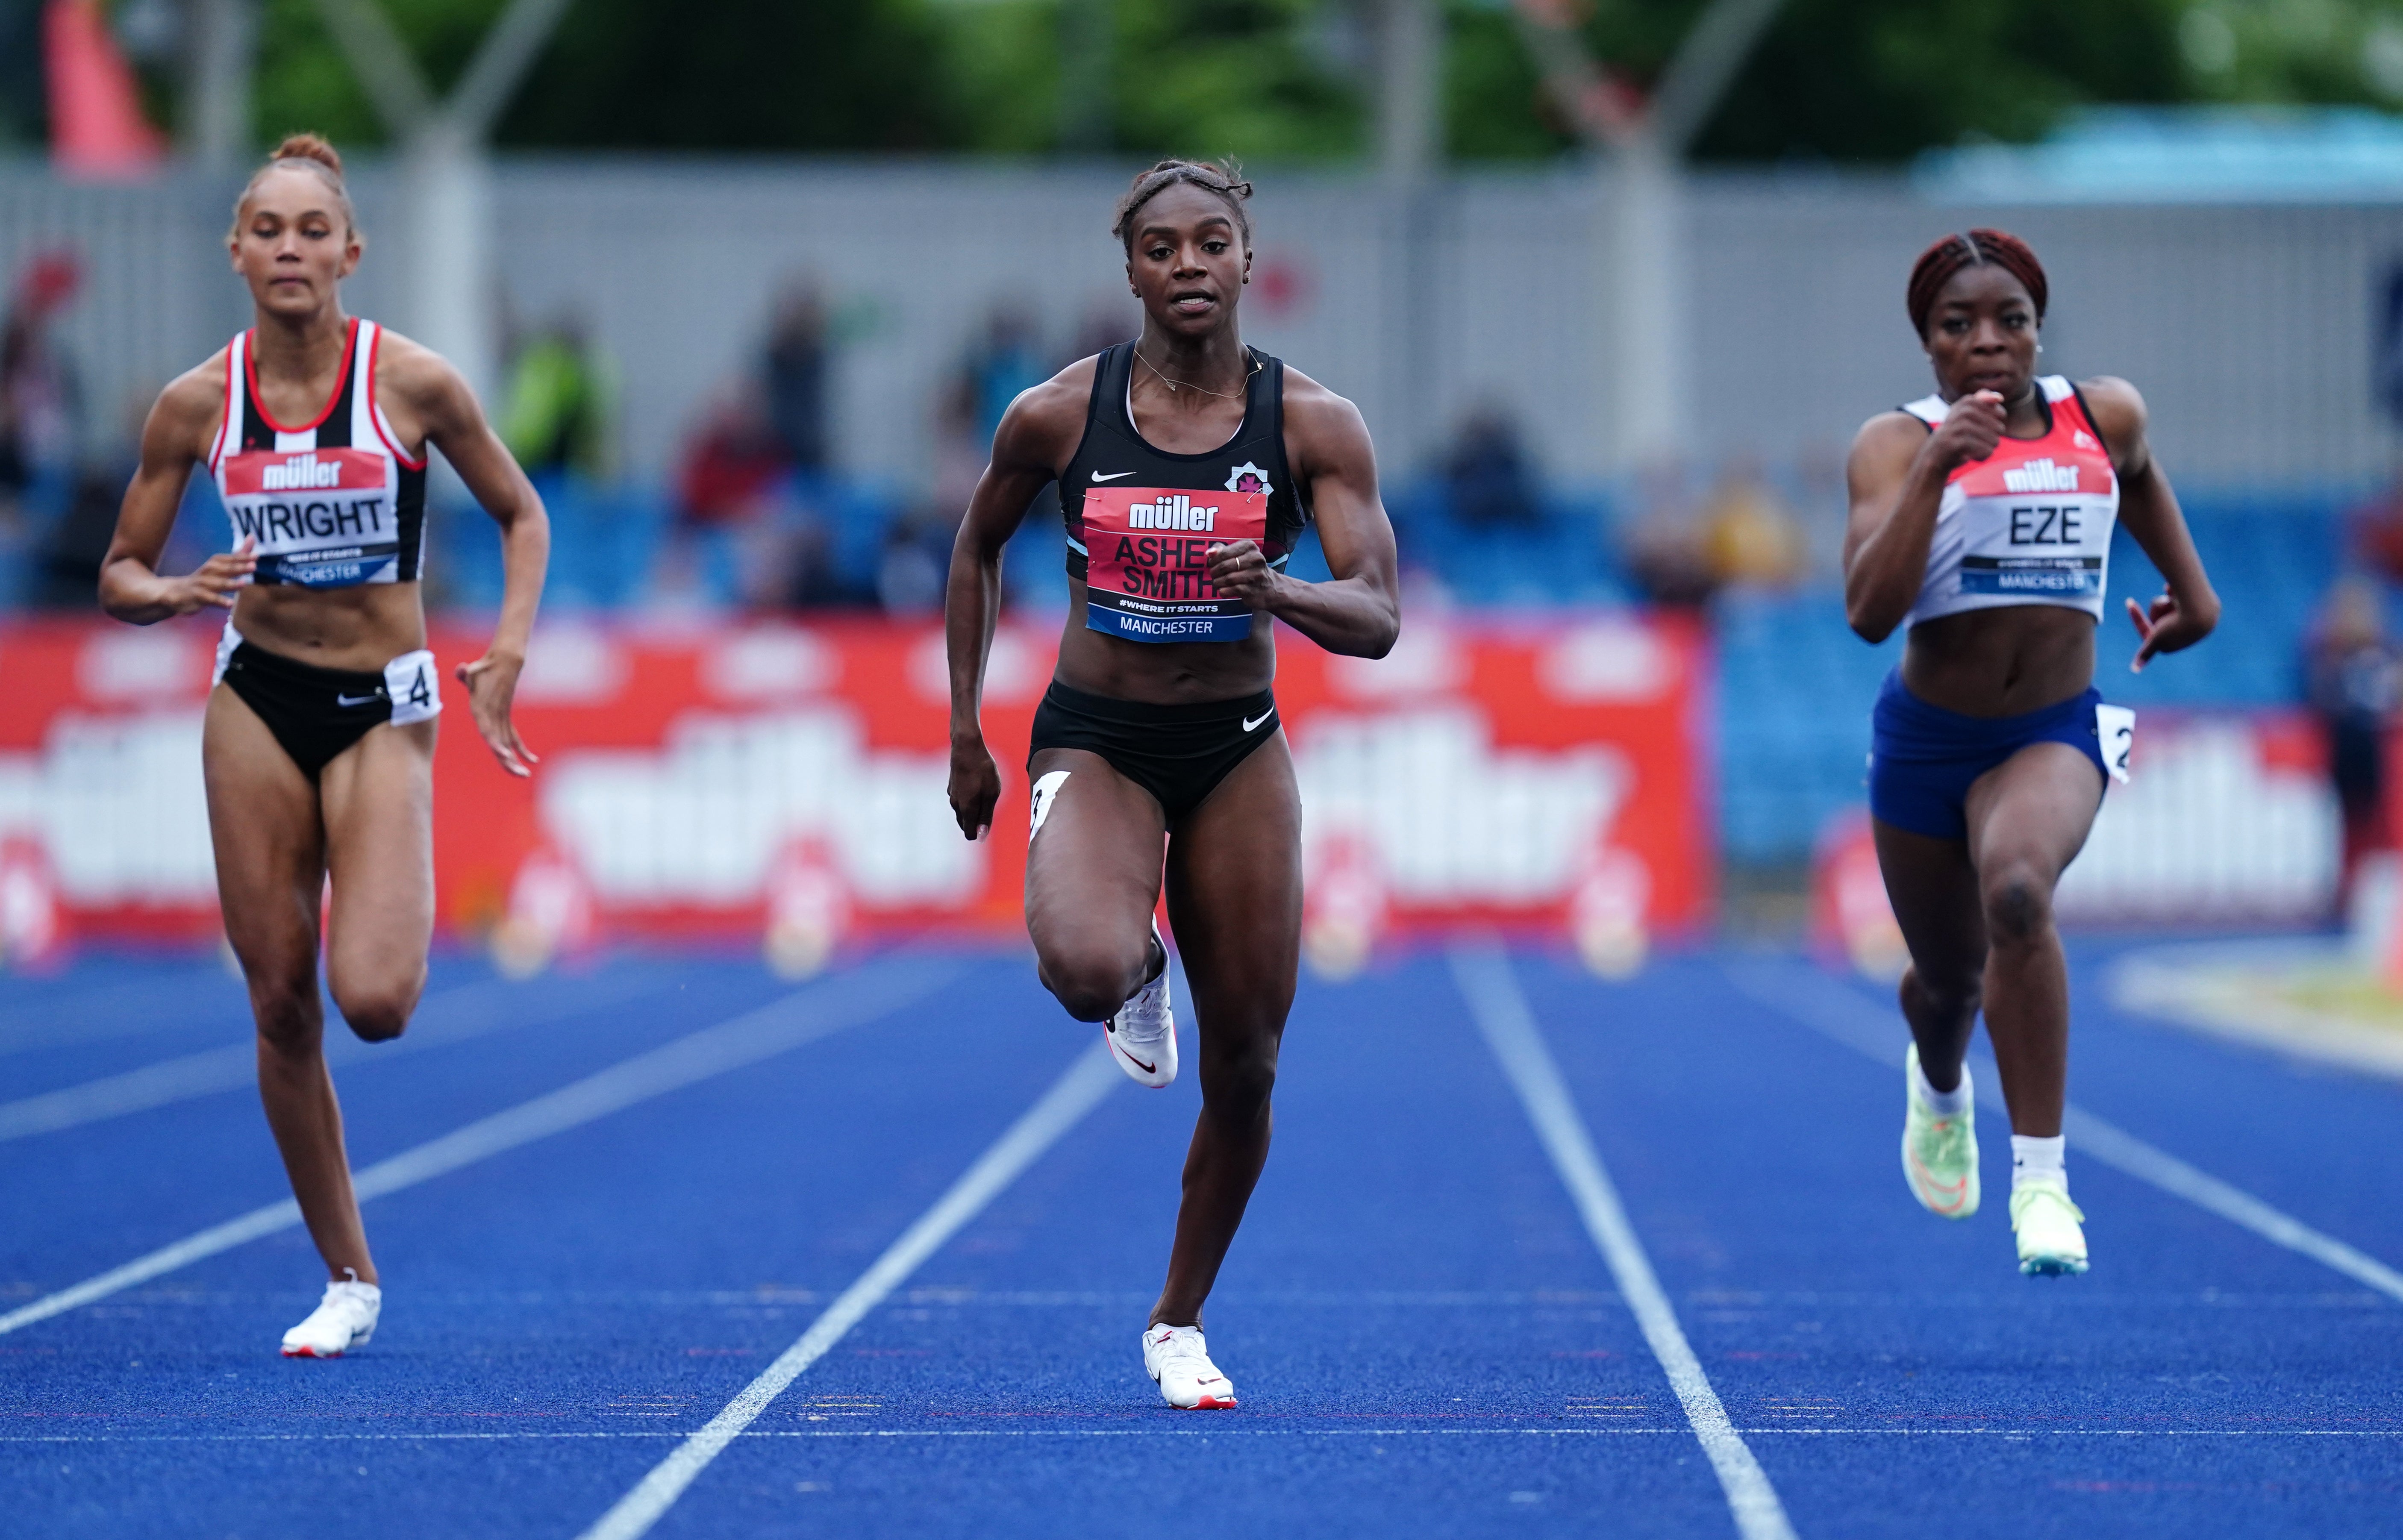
1075 1093
1500 1008
868 995
1680 1431
1834 1011
212 1071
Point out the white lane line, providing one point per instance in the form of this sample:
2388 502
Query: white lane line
158 1085
1679 1431
1495 999
1075 1093
235 1066
865 995
1805 995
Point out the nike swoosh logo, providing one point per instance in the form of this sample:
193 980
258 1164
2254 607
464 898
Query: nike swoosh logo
1112 475
363 699
1251 722
1148 1069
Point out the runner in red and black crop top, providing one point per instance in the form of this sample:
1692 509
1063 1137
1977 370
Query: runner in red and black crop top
318 743
1189 465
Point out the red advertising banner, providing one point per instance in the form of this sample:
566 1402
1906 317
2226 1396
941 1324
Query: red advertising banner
786 781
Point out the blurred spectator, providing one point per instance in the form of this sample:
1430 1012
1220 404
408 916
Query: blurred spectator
787 561
1486 475
1750 539
41 405
916 558
797 377
65 571
1665 555
1007 359
731 464
2350 677
558 407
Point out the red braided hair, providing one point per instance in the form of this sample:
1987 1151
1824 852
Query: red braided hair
1979 248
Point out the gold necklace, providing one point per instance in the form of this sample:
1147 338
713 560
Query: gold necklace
1175 385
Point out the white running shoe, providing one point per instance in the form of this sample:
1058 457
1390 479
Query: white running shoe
1143 1034
344 1320
1940 1155
1178 1360
2053 1244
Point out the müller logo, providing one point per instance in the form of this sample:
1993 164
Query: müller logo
1172 512
2041 475
300 475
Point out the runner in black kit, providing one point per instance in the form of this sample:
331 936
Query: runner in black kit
1189 465
318 746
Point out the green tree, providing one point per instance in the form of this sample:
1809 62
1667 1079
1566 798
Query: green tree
1848 80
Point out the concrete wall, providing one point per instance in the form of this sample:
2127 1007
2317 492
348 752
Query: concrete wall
2248 328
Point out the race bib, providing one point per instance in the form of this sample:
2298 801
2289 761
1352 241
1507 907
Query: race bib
1147 564
2116 726
323 518
414 683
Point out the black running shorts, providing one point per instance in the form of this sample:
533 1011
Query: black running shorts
1178 754
316 712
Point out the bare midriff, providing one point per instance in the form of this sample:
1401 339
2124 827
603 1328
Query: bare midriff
2001 662
1164 673
359 628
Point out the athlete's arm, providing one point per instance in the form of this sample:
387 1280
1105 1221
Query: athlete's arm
1359 612
450 419
2187 608
174 437
1896 474
1037 435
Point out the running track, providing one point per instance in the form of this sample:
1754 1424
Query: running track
676 1248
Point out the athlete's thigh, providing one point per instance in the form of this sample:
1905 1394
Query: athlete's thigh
1093 870
378 801
2034 811
265 827
1934 891
1234 894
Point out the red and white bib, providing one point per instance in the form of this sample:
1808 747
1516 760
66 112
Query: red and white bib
2031 524
330 502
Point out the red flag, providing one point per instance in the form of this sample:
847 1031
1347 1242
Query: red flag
96 123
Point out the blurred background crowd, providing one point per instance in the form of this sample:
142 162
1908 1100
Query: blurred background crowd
748 286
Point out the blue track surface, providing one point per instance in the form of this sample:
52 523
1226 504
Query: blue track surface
1425 1339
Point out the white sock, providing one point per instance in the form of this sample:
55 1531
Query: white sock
1943 1103
2039 1160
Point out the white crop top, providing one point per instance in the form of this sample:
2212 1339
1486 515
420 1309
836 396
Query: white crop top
2031 524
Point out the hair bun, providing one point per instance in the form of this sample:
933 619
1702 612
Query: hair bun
309 147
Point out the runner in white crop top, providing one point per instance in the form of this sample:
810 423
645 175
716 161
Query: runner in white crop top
318 744
2030 523
1982 516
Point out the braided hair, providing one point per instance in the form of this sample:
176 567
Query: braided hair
1209 176
1978 248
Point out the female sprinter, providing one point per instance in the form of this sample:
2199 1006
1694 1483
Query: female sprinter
1981 516
1189 464
318 747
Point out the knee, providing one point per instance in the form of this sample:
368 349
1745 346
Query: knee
376 1013
1091 982
1940 995
2018 904
1236 1086
291 1020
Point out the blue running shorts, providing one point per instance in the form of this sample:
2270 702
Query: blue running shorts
1923 758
